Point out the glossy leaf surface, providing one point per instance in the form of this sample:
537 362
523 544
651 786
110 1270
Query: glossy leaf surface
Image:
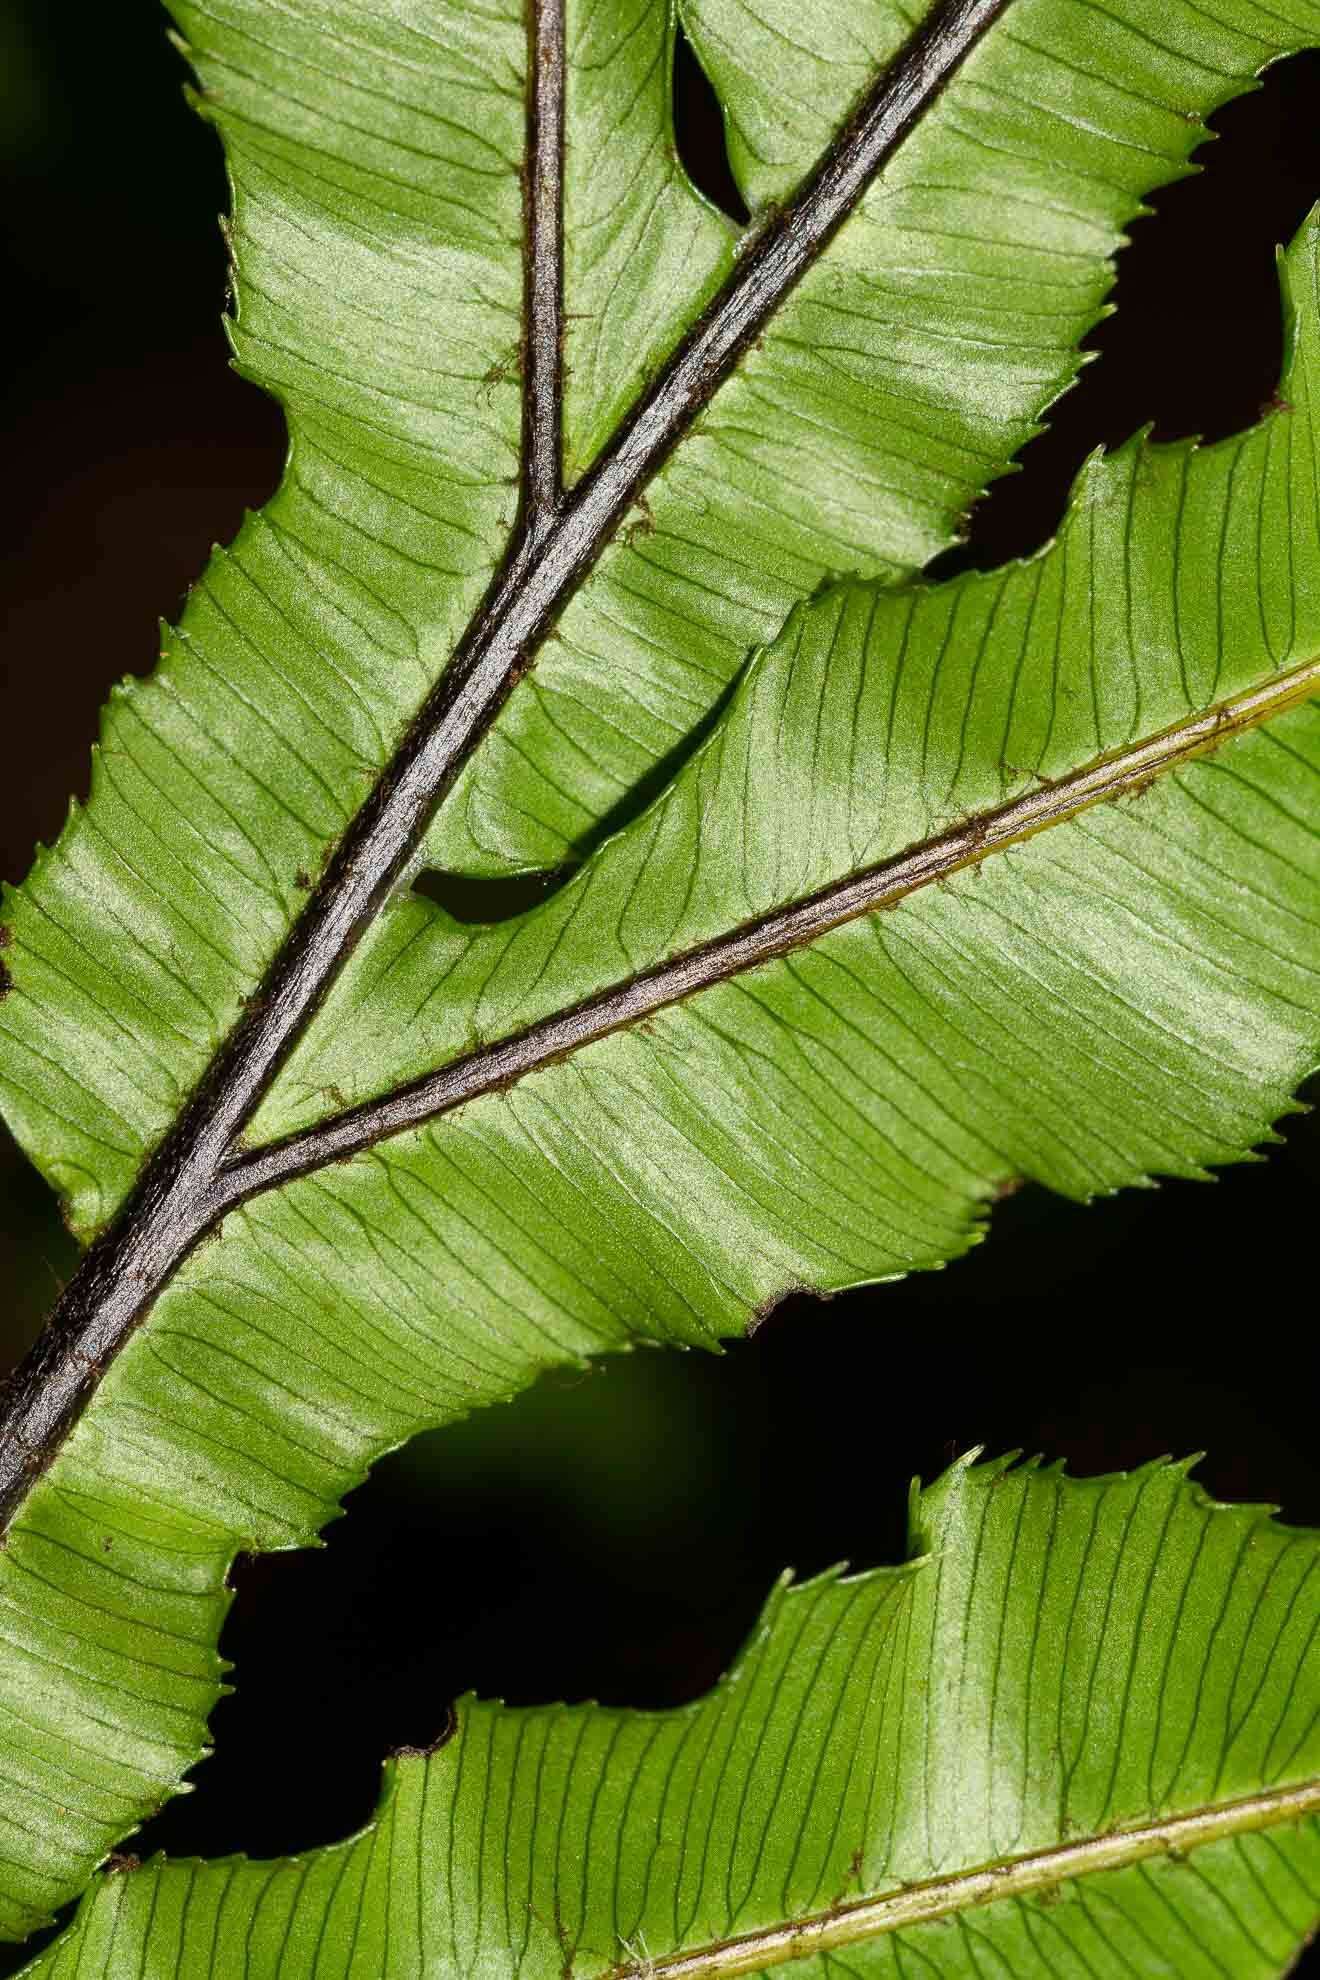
1016 876
1065 1667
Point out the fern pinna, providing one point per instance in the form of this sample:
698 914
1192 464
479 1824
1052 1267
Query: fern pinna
1010 876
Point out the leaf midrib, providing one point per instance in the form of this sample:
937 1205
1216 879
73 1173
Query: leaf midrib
501 1062
181 1192
1012 1877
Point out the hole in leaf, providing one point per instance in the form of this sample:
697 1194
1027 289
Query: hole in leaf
1195 344
615 1531
699 132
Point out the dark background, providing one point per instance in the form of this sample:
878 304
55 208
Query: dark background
612 1534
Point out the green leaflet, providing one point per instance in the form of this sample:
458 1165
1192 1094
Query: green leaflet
1064 1659
878 719
642 249
377 225
901 376
787 76
1130 993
